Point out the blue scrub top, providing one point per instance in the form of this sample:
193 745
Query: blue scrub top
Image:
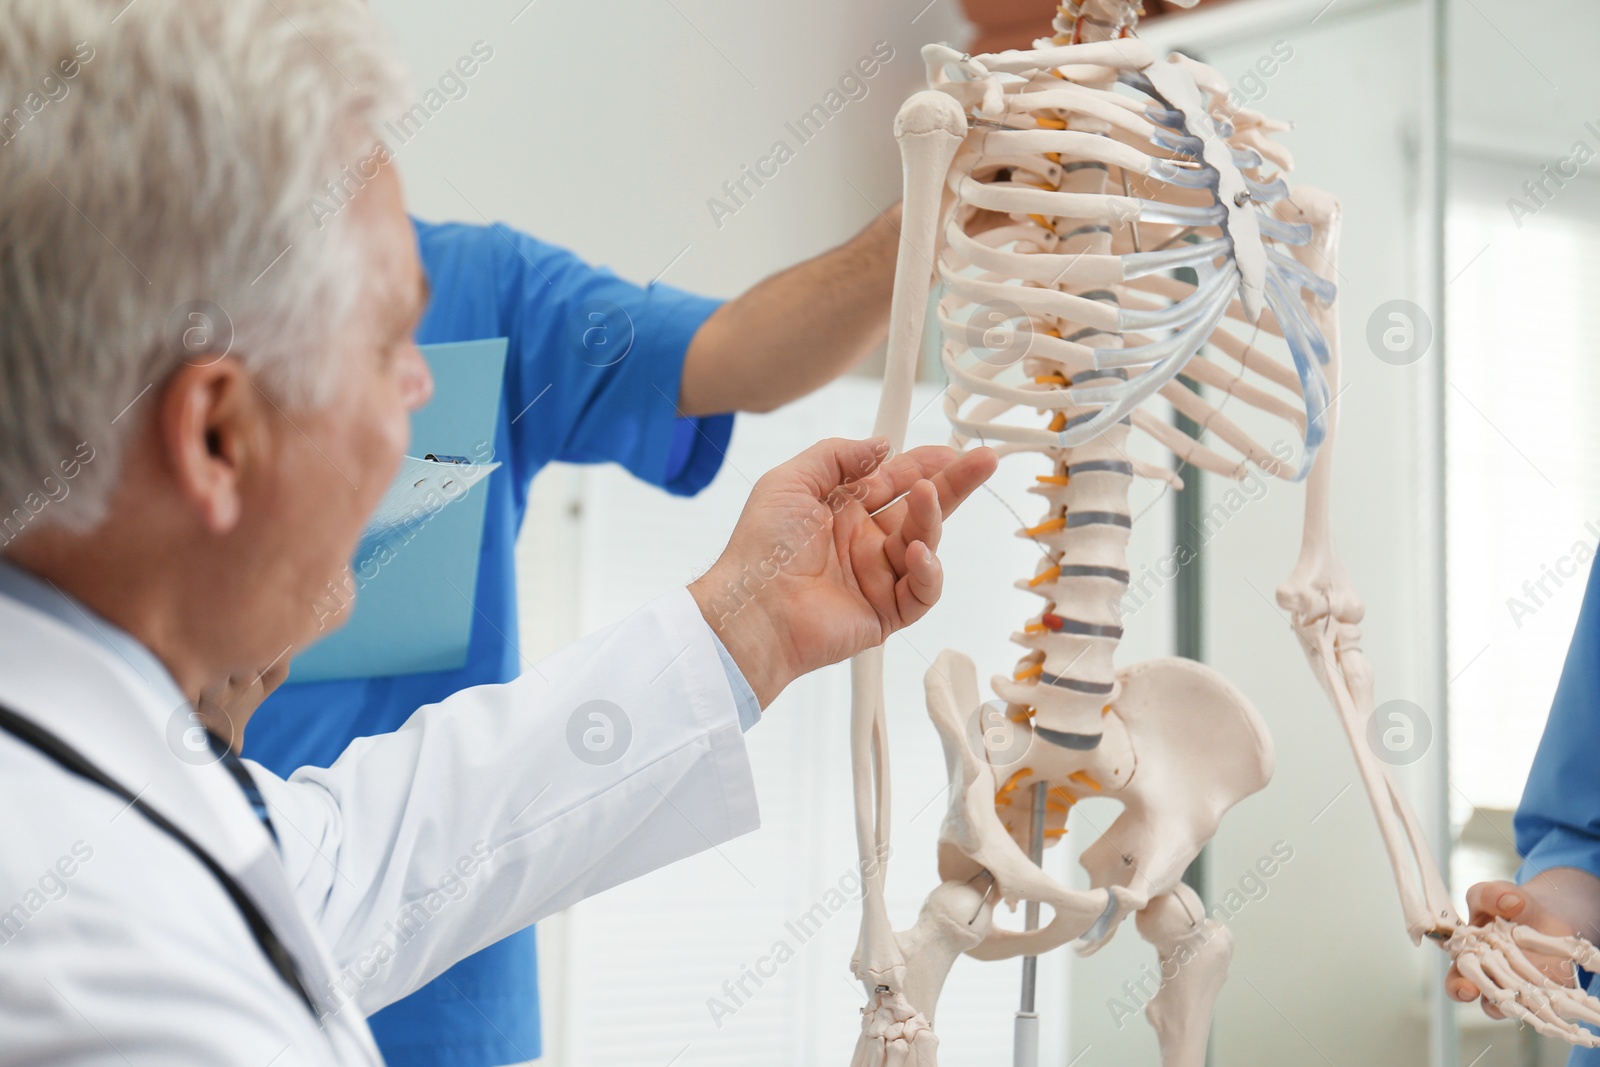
592 375
1558 821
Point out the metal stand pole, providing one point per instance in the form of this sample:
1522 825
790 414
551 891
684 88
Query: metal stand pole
1025 1044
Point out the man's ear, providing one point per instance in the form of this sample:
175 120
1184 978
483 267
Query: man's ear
210 426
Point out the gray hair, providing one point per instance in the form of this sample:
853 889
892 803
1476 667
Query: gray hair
158 161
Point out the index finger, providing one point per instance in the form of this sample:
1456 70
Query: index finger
953 483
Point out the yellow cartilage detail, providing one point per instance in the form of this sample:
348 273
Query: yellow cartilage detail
1028 672
1010 787
1034 628
1049 575
1048 526
1051 479
1052 835
1055 805
1082 778
1050 124
1059 422
1050 379
1042 221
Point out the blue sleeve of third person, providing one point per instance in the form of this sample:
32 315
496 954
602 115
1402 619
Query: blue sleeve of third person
1558 821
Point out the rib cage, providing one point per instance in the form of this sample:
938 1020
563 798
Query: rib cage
1114 174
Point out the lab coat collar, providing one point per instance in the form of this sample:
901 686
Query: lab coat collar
45 596
140 732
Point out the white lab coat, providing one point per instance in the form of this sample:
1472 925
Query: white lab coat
414 850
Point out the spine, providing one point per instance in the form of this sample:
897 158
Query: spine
1066 679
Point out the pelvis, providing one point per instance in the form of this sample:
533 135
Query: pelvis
1198 746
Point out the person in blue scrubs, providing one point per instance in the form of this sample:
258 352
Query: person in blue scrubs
598 370
1557 888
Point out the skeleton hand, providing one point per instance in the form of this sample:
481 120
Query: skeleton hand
1519 954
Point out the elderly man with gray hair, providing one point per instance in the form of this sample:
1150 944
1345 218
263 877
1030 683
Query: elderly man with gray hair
171 518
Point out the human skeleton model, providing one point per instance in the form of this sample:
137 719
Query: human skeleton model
1111 170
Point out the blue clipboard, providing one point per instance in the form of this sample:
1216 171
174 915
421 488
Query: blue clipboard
415 574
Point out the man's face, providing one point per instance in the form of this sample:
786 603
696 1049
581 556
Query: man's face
327 468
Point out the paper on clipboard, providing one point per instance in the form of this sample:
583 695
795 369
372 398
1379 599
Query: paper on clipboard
422 489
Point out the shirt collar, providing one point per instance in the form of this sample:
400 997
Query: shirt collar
45 596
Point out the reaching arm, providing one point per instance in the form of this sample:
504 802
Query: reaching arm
504 803
796 330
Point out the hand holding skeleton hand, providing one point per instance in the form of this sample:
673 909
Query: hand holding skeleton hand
1488 901
833 552
1530 971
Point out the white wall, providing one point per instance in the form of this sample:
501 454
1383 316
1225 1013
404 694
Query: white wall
1522 88
606 126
